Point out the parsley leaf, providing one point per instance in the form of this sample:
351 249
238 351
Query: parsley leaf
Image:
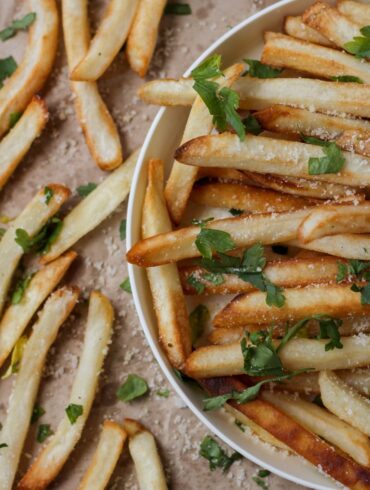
263 473
235 211
329 329
196 283
37 412
216 456
17 25
122 230
20 289
331 163
209 68
74 411
85 190
163 393
43 433
7 68
360 45
49 193
16 358
359 269
209 241
3 445
198 319
252 125
312 140
177 9
259 70
132 388
260 356
346 79
126 286
216 279
239 425
260 482
229 101
41 242
14 118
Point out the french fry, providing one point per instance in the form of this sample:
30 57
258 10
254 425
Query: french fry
15 145
244 230
329 22
289 273
227 359
348 246
14 431
31 219
333 220
94 209
108 40
307 188
108 450
52 457
358 13
100 132
33 71
222 336
144 452
268 155
293 435
17 316
337 300
143 34
223 174
355 141
246 198
321 422
287 52
295 27
200 121
168 92
168 298
343 401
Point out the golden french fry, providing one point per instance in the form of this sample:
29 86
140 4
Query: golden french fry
94 209
357 141
287 52
337 300
358 13
31 219
15 145
52 457
143 34
334 220
348 246
294 26
324 424
33 71
168 92
222 336
329 22
200 121
14 431
108 450
168 298
144 452
268 155
244 230
344 401
246 198
296 437
108 40
227 359
100 131
289 273
17 316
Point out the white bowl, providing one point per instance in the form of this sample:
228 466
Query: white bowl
243 41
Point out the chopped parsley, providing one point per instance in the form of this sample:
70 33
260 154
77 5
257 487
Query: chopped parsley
43 433
358 269
346 79
177 8
41 242
210 241
37 412
252 125
7 68
329 329
259 479
360 45
209 68
126 286
85 190
49 193
239 425
16 358
163 393
20 289
260 70
17 25
235 211
216 456
73 412
14 118
196 283
122 230
134 387
3 445
331 163
198 319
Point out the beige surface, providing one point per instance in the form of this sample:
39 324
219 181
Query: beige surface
61 156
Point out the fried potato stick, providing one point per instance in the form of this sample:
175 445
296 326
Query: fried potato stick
358 13
295 27
347 245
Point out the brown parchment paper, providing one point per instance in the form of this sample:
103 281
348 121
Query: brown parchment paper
60 155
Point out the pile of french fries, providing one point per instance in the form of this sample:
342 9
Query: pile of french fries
272 199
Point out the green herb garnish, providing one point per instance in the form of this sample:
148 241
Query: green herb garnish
74 411
177 8
3 445
14 118
37 412
134 387
7 68
2 232
260 70
198 319
163 393
43 433
209 68
252 125
122 230
356 269
216 456
85 190
17 25
360 45
346 79
126 286
41 242
210 241
16 358
20 289
49 193
239 425
331 163
196 283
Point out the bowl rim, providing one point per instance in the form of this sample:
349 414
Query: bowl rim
158 354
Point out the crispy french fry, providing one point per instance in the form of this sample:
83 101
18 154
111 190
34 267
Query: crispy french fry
227 359
143 34
94 209
168 298
332 299
295 27
307 188
144 452
358 13
289 273
32 219
357 141
222 336
287 52
200 121
15 145
344 401
17 316
168 92
100 132
348 246
268 155
329 22
51 459
246 198
333 220
223 174
14 431
108 40
296 437
321 422
108 450
33 71
244 230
